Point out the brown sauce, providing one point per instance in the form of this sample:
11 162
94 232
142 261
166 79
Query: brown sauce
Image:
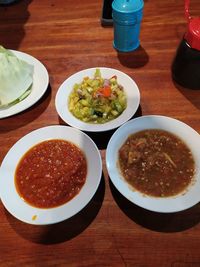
156 163
51 173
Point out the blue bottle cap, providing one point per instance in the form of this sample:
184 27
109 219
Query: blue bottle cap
127 6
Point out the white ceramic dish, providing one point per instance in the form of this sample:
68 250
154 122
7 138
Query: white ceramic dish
186 133
40 84
130 88
29 214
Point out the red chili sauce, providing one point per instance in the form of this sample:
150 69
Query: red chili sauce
156 163
51 173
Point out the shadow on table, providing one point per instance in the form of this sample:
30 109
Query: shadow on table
193 95
14 17
26 116
159 222
63 231
101 139
134 59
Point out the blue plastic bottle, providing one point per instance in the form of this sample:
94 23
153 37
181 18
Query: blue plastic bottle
127 16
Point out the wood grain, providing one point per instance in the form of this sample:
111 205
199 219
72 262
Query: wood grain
67 37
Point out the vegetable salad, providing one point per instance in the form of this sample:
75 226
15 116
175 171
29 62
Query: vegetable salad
97 100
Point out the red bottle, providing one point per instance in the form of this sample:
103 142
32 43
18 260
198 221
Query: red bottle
186 64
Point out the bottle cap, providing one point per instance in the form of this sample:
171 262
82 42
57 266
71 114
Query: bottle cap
129 11
127 6
192 34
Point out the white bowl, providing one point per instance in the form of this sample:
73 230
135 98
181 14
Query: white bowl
130 88
32 215
180 129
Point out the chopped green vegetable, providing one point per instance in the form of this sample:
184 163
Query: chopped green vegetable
97 100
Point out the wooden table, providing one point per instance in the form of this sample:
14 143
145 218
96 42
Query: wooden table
66 36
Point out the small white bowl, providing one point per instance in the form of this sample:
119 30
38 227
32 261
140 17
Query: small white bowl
130 88
181 130
32 215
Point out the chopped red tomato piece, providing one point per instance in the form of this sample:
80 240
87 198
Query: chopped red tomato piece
105 91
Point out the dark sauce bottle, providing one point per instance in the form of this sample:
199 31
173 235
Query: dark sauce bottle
7 2
186 64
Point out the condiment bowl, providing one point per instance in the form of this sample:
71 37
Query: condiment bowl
129 86
25 212
188 135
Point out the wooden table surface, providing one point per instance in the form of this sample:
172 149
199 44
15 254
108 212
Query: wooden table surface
66 36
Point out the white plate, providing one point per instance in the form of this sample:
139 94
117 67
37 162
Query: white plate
130 88
185 132
25 212
39 86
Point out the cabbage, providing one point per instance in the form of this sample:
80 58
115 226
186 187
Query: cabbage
16 78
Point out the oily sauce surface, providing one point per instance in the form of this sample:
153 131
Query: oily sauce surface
156 163
51 173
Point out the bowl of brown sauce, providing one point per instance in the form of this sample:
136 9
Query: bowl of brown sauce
50 174
154 162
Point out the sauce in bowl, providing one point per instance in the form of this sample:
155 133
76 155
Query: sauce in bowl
156 163
51 173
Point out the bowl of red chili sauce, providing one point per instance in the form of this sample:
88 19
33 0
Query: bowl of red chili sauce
50 174
154 162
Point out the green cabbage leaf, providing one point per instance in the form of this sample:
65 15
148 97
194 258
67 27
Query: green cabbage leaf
16 78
